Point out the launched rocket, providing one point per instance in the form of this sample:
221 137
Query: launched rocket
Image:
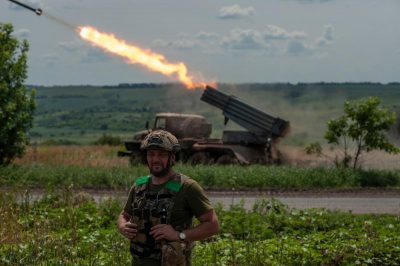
38 11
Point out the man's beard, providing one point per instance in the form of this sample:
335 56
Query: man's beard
162 172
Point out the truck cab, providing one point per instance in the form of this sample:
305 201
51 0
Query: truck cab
187 128
183 125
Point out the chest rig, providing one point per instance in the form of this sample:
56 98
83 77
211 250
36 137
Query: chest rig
149 209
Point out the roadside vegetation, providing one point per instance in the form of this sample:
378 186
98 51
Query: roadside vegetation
99 167
255 177
71 229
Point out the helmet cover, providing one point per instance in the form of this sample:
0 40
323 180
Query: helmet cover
160 139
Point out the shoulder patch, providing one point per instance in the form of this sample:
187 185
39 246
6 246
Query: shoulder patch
142 180
173 185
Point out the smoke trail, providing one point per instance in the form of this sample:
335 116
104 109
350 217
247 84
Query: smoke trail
61 21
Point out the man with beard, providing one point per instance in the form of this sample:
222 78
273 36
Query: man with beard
157 216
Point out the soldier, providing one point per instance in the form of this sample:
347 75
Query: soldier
158 214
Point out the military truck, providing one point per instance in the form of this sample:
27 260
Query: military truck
256 145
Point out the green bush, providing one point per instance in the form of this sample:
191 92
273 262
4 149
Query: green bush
108 140
378 179
17 104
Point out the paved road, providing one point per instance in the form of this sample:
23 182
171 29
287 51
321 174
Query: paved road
355 201
377 205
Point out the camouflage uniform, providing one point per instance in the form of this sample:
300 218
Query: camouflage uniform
148 207
151 208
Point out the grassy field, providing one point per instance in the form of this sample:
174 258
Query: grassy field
99 167
211 177
71 229
83 113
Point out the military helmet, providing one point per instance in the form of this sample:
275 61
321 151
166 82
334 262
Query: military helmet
160 139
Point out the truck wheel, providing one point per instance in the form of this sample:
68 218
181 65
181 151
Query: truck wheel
198 158
227 159
135 158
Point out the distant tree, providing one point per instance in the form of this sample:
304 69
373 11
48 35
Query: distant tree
365 124
16 103
108 140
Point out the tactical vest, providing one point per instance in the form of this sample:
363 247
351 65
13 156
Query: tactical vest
152 208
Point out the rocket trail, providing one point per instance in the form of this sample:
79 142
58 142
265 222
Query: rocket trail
134 54
38 11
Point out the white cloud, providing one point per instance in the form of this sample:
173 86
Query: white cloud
328 34
296 47
322 42
206 35
273 32
274 39
246 39
235 11
183 44
327 38
300 47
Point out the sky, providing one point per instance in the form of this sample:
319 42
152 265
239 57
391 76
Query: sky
218 40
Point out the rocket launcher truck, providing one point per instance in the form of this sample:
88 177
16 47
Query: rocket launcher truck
255 145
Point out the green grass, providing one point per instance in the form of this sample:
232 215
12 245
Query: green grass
71 229
212 177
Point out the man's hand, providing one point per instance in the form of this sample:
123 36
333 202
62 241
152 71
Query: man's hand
164 231
128 229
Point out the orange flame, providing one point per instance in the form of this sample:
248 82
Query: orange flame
137 55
